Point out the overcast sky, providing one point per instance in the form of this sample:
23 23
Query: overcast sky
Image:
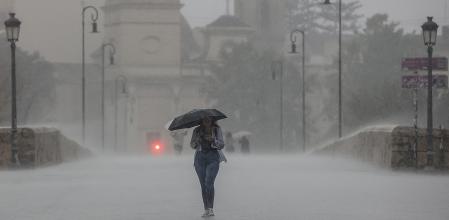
53 26
410 13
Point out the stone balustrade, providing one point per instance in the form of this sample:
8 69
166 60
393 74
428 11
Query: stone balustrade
39 147
392 147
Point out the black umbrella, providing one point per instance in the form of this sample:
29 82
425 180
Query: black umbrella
194 118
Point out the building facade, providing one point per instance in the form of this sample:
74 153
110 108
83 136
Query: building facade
161 66
153 79
268 18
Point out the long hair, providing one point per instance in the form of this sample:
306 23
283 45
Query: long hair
213 125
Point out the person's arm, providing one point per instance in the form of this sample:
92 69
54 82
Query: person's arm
218 139
194 142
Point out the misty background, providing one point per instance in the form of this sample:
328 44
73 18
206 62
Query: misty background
58 21
246 82
240 64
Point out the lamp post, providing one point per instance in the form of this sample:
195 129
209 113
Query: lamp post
303 90
111 61
12 27
94 18
274 67
124 90
340 121
429 29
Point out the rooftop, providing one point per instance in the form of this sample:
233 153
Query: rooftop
228 21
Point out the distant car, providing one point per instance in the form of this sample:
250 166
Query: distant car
156 147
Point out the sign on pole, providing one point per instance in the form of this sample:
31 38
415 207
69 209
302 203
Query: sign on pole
420 81
421 63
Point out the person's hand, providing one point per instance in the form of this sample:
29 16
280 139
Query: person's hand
209 138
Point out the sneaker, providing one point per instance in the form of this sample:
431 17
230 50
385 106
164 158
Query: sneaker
211 212
206 213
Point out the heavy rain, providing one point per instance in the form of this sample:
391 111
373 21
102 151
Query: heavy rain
224 109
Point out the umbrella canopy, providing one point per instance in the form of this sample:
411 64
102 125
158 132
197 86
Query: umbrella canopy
194 118
167 125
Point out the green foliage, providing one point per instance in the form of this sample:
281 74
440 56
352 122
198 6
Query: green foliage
245 85
372 80
242 84
35 86
314 16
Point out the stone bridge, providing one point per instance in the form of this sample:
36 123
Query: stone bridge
39 147
392 147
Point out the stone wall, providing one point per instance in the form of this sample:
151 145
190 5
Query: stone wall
404 139
39 147
391 147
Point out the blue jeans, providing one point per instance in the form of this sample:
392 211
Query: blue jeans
207 165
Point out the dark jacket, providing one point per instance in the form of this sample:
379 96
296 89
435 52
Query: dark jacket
217 143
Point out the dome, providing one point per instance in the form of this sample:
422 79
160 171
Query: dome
228 21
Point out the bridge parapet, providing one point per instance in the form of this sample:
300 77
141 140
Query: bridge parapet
392 147
39 147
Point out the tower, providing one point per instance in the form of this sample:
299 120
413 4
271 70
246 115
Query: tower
150 40
267 17
224 32
146 32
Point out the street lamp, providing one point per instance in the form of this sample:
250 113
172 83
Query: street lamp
124 90
327 2
279 65
94 18
12 27
429 29
293 41
111 62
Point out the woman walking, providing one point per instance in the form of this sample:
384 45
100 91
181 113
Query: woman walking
207 139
